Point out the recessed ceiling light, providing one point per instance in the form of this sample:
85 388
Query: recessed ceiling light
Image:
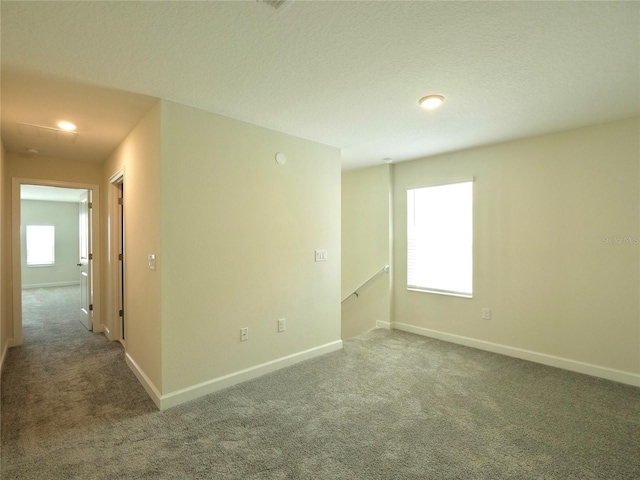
68 126
431 102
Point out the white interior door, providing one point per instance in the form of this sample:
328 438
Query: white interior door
86 288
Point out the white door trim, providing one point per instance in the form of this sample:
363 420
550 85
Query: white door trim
16 182
113 325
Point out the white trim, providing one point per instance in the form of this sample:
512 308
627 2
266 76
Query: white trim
195 391
621 376
48 285
112 303
385 325
5 349
442 183
435 291
16 182
107 333
148 385
118 176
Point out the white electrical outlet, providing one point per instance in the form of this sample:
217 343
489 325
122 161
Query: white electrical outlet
321 255
282 325
244 334
486 314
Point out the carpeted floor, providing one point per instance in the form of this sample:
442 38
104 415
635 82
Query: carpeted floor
390 405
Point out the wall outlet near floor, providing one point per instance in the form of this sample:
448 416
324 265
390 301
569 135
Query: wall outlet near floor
244 334
282 325
486 314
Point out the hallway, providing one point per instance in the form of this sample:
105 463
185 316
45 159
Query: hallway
61 381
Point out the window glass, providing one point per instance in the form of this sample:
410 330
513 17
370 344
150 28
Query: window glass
41 249
440 239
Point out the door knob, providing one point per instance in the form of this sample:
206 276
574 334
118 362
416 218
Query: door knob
79 264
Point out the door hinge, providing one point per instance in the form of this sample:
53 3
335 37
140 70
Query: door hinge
91 307
90 204
119 256
121 313
91 256
120 201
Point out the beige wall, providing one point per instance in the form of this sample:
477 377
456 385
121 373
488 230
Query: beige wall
366 243
6 325
239 233
139 156
548 215
54 169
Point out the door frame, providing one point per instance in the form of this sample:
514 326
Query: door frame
113 325
16 269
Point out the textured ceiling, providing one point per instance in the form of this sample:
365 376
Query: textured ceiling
348 74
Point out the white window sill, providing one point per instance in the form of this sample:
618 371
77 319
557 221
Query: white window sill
440 292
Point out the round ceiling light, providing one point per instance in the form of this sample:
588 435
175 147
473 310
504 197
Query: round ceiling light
431 102
68 126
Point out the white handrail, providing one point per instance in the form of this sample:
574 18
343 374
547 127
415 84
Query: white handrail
355 292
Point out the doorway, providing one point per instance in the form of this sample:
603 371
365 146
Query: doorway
49 239
54 246
117 258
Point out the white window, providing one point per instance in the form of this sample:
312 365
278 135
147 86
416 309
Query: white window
41 245
440 239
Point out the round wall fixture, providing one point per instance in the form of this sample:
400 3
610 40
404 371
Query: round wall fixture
280 158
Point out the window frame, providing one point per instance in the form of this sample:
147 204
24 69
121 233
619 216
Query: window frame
413 286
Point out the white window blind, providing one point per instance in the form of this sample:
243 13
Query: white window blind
440 239
41 245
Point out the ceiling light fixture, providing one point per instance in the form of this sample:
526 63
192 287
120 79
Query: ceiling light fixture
68 126
431 102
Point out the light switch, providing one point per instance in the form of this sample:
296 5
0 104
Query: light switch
321 255
152 261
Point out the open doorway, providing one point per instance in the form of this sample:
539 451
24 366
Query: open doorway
53 253
54 258
117 257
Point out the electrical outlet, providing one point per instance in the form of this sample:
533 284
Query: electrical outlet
321 255
486 314
282 325
244 334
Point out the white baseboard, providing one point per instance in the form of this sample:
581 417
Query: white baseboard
148 385
621 376
5 349
48 285
107 333
190 393
385 325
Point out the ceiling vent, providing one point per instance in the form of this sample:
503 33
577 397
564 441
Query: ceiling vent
50 133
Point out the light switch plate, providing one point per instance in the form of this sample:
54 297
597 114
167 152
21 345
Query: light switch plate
321 255
152 261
